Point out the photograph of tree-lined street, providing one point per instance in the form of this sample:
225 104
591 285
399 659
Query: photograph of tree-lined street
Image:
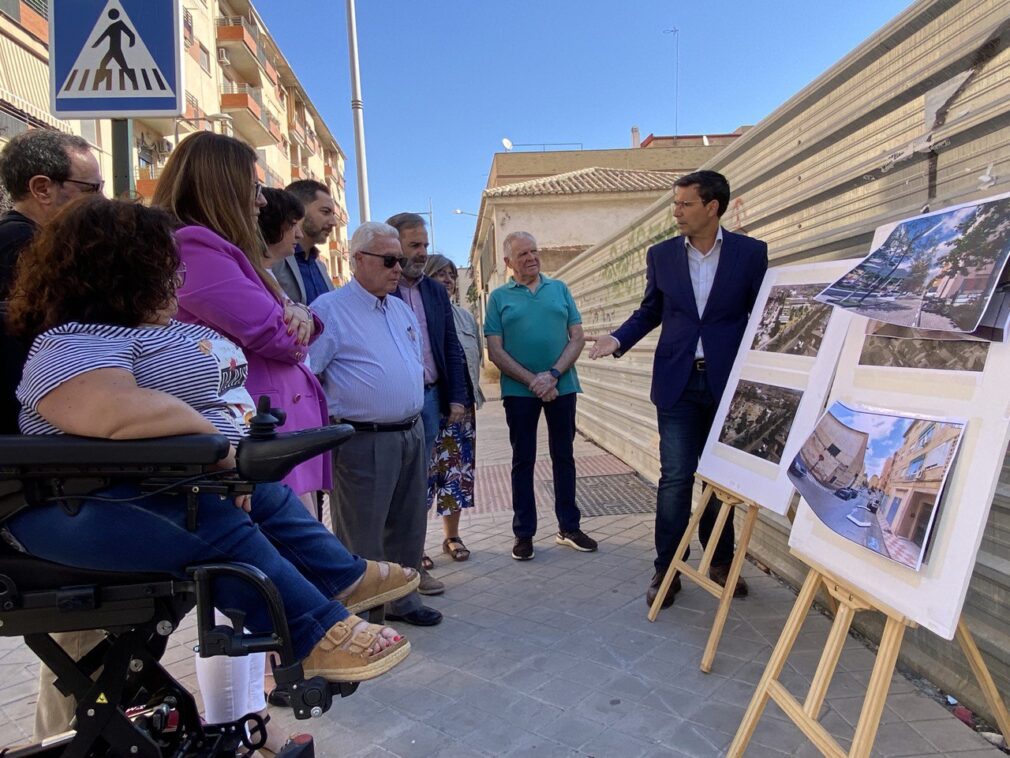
936 271
876 479
793 321
759 419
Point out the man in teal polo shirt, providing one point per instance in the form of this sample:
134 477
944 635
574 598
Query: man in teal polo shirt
534 336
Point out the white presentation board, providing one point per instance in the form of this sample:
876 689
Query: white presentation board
778 385
946 379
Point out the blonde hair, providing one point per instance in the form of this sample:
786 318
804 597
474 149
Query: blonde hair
208 181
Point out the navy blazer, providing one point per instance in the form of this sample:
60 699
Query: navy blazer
669 300
450 362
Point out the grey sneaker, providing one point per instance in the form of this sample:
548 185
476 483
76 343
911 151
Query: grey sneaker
577 539
523 549
430 585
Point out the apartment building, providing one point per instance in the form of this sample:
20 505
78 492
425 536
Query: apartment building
237 82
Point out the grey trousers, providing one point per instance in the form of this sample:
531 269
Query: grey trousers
379 499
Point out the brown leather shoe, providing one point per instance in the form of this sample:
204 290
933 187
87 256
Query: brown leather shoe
657 579
719 575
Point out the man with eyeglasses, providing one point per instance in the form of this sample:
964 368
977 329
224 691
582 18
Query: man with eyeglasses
302 275
370 365
700 286
42 170
445 372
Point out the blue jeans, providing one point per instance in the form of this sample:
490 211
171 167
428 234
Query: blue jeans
431 415
683 430
522 414
308 565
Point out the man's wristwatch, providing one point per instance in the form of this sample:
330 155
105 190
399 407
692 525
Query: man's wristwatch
554 372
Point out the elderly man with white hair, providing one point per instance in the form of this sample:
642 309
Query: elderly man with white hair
370 365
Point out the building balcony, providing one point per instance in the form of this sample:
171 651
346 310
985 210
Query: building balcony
146 178
297 131
244 103
239 48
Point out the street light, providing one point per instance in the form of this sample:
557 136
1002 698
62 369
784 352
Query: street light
460 212
509 144
677 75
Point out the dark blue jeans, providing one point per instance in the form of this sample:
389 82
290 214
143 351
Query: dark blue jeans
307 563
683 430
431 415
523 416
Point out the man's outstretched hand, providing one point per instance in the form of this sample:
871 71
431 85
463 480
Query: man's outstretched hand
603 345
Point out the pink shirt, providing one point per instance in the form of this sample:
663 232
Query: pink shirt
412 296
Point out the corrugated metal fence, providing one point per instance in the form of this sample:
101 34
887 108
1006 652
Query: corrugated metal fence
918 115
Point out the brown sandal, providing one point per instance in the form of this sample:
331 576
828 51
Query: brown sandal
344 655
427 563
374 589
458 553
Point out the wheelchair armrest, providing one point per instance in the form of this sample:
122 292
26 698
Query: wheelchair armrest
271 459
18 451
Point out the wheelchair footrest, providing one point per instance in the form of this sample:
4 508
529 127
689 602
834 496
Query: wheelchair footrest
310 698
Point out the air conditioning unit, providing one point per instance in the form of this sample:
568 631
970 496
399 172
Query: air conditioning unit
222 57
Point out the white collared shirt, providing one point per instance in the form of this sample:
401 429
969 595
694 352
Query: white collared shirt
702 267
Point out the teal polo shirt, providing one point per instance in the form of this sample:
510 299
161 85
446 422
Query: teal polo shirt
534 330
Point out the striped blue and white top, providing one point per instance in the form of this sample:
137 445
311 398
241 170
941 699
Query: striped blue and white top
191 362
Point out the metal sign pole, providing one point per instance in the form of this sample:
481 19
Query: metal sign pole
123 183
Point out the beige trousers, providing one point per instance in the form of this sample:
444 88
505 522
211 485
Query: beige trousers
54 713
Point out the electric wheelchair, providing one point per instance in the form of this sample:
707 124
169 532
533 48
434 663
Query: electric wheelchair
127 703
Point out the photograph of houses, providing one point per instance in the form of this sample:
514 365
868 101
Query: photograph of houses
936 271
877 478
759 419
792 321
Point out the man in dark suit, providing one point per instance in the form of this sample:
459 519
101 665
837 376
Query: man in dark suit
701 287
302 275
445 377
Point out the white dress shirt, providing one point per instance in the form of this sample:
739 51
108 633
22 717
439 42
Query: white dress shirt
702 267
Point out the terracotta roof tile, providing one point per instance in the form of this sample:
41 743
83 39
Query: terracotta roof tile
587 180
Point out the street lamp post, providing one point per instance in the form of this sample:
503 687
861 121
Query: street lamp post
676 78
357 111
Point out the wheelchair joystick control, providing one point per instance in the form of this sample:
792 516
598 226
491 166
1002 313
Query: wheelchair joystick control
264 424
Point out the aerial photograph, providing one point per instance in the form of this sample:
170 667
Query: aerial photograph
759 419
792 321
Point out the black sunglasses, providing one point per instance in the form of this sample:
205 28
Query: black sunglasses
92 187
388 260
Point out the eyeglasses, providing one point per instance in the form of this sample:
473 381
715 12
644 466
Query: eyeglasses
388 260
258 189
682 204
92 187
180 275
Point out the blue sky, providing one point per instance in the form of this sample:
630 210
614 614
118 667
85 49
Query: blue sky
885 433
444 81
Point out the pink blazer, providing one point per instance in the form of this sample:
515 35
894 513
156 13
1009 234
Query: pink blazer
223 291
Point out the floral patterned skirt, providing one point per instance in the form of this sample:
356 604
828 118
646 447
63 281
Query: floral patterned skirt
450 477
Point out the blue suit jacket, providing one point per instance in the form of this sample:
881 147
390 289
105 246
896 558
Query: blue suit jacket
669 300
453 380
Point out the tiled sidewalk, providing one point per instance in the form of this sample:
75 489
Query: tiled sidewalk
555 657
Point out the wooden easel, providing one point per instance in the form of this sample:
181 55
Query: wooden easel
805 715
699 576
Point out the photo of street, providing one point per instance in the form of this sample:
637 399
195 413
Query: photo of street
793 321
877 479
759 419
936 271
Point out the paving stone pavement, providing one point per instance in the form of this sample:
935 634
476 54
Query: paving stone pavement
555 657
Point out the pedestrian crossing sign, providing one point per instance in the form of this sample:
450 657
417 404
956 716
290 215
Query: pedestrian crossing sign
116 58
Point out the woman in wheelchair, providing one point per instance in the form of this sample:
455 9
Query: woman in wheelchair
97 293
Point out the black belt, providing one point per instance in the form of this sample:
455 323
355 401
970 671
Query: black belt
369 426
699 364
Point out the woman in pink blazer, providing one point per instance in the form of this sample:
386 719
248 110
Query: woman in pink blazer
228 289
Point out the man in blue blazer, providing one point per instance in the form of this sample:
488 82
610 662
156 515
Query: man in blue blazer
445 372
701 287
